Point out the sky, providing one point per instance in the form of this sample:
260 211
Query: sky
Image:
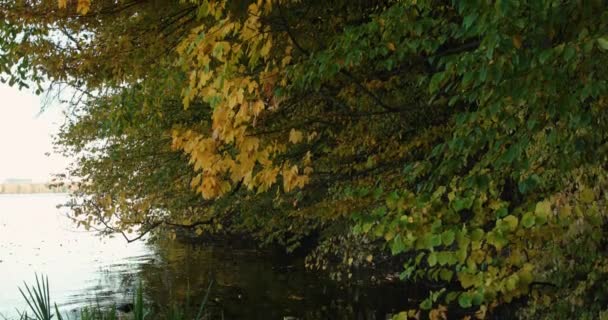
26 135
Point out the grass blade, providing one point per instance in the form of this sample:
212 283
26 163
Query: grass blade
200 310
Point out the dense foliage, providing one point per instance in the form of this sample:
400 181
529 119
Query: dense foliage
465 140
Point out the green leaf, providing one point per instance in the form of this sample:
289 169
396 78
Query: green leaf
467 280
527 220
443 257
462 203
447 237
432 259
525 276
540 220
477 234
569 53
511 222
465 300
531 183
427 304
435 82
502 212
436 240
544 56
397 245
446 275
469 20
380 211
451 296
603 43
477 298
497 239
511 283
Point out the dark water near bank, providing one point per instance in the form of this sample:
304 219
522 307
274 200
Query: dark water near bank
84 268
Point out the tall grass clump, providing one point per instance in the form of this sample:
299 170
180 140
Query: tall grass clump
38 299
138 304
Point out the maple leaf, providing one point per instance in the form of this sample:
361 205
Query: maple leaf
266 48
295 136
83 6
258 107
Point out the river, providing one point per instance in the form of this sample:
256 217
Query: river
83 268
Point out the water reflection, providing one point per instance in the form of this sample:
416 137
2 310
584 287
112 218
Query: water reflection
251 285
36 237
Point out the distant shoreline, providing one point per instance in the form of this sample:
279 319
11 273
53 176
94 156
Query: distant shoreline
31 188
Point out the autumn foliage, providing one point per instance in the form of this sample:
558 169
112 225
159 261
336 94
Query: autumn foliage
464 142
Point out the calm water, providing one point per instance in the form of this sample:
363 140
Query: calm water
35 236
83 268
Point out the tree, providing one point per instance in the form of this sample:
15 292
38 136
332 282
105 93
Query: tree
466 138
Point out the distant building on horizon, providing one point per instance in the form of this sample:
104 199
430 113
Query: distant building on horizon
18 181
14 186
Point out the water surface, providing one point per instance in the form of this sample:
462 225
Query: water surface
84 268
36 237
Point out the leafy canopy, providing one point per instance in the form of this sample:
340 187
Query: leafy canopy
463 140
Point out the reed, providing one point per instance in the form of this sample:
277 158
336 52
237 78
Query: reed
38 299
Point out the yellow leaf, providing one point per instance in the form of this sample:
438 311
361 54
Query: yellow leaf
242 116
565 211
196 181
391 46
290 177
587 195
439 313
267 178
258 107
481 313
251 85
525 275
511 222
467 280
286 60
295 136
266 48
253 9
312 135
83 6
62 4
400 316
543 209
307 160
308 171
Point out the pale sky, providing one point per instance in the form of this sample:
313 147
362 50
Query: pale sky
26 135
